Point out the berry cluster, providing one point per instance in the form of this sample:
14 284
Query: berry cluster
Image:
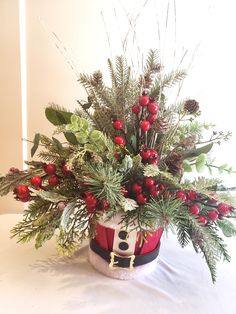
93 204
143 189
205 209
145 110
22 191
149 156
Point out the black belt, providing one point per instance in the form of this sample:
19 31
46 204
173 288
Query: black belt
119 261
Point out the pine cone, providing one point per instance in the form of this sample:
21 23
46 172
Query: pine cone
189 141
174 163
147 80
97 78
161 125
191 106
104 117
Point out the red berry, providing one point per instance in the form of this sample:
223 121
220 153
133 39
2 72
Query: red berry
136 188
223 209
36 181
213 214
90 200
50 169
136 109
145 154
194 209
153 161
149 182
203 220
119 140
192 195
154 191
118 124
143 100
151 118
22 191
153 107
181 195
154 154
66 170
53 180
144 125
141 199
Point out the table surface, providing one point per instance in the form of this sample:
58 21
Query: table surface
39 281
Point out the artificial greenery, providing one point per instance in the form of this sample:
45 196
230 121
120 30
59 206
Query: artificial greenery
112 143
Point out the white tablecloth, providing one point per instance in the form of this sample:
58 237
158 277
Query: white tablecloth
39 281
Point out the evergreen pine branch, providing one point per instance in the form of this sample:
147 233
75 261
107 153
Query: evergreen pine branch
167 80
112 74
40 226
207 240
78 227
9 182
227 227
99 93
104 182
152 61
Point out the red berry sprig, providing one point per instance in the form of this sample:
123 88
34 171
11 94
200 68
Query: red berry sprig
53 180
144 125
119 140
36 181
118 124
90 202
22 193
149 156
50 169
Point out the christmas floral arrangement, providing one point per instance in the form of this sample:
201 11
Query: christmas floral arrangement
125 151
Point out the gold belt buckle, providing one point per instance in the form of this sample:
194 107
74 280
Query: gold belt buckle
113 262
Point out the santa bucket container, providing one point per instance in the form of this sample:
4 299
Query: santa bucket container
118 253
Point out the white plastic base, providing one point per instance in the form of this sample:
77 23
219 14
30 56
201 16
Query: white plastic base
103 267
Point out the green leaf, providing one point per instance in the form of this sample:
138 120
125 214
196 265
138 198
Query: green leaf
57 143
68 210
36 144
95 135
71 138
58 117
196 152
127 164
200 162
187 167
49 196
82 137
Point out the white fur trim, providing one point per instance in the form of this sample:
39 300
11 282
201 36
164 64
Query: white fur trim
103 267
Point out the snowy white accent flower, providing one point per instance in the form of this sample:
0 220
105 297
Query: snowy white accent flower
128 204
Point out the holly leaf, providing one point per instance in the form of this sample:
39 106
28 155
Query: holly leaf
36 144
